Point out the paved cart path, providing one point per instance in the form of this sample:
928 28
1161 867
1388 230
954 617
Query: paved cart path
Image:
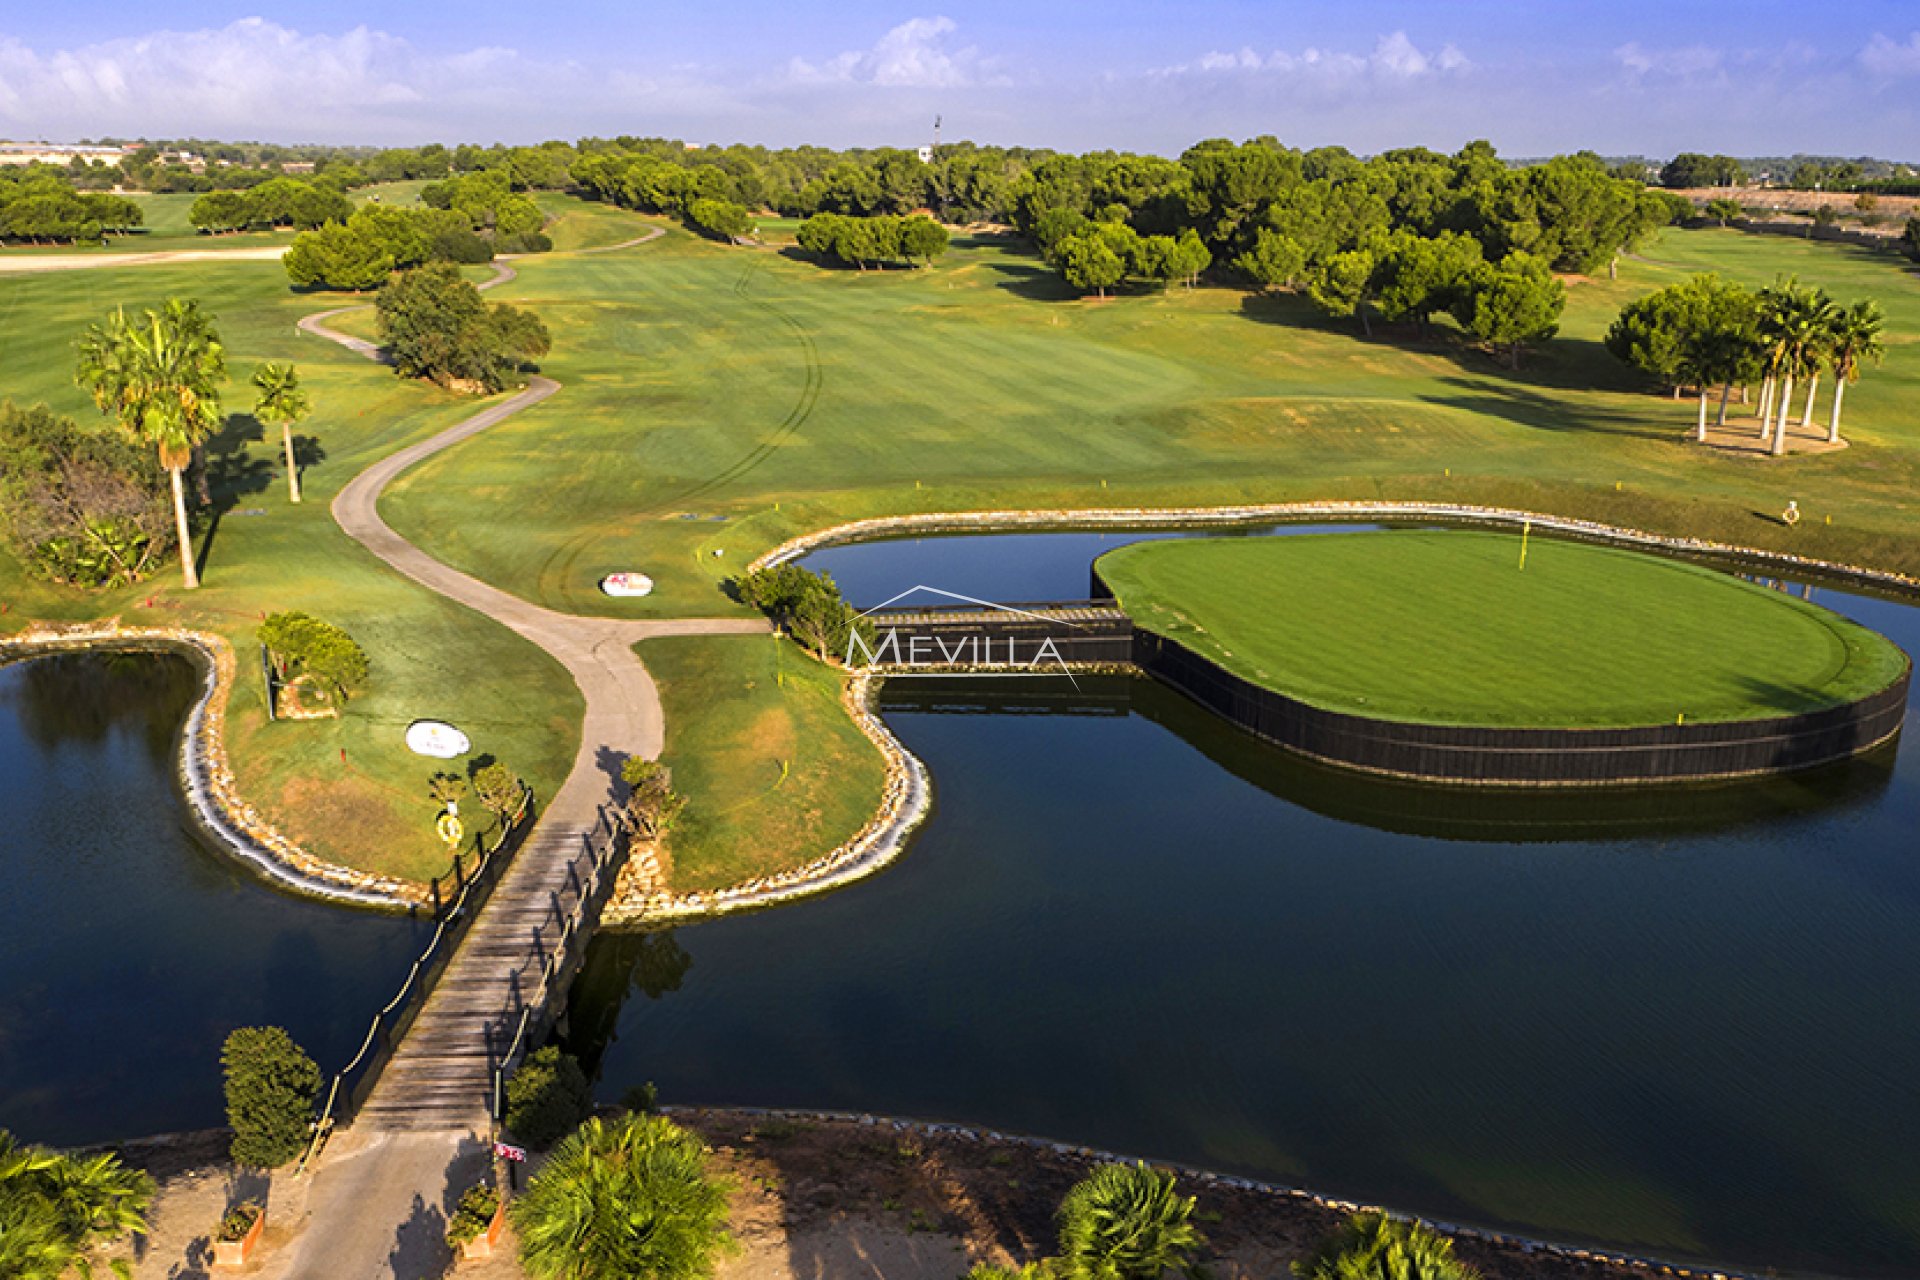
372 1208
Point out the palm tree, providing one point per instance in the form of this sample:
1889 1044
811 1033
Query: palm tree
1793 320
1126 1222
158 378
1857 334
1823 317
282 400
54 1208
630 1197
1777 302
1374 1247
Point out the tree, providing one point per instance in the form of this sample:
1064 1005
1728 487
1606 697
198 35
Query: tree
1724 210
1089 263
722 218
547 1097
1512 304
282 401
1792 325
923 238
159 379
1910 237
1697 333
1691 169
1856 340
1372 1246
336 257
271 1088
220 211
301 645
76 506
438 326
652 803
1126 1222
1276 260
1339 285
626 1198
55 1208
499 790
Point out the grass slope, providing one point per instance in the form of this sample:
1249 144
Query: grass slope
721 399
773 771
430 657
1447 627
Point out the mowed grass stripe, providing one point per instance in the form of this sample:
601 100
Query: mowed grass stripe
1446 627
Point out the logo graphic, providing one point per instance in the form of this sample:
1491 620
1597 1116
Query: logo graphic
960 634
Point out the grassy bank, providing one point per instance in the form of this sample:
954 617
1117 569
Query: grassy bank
430 658
1451 628
773 771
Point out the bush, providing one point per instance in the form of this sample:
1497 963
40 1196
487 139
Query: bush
547 1097
653 804
55 1208
271 1088
623 1199
809 606
1374 1247
301 645
81 507
474 1214
1125 1222
237 1221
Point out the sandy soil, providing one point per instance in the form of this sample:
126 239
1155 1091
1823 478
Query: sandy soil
822 1201
81 261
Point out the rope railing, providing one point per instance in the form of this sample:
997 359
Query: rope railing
454 919
575 926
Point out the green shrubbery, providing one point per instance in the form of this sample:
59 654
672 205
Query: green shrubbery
1374 1247
621 1199
652 803
277 202
81 507
271 1088
54 1208
808 605
438 326
882 238
547 1097
474 1214
304 646
39 205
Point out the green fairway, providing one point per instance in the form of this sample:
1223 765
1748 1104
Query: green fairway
1448 627
773 770
722 399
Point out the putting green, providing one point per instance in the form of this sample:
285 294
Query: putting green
1446 627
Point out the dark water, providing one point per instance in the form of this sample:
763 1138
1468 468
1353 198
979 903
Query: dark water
1681 1021
127 949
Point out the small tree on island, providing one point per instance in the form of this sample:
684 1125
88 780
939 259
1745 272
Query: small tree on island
624 1198
808 606
282 402
652 803
303 647
271 1087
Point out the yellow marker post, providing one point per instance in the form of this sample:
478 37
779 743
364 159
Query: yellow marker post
1526 528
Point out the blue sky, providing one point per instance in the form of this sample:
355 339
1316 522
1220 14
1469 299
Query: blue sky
1550 75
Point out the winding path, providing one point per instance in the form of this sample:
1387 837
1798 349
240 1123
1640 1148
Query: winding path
386 1181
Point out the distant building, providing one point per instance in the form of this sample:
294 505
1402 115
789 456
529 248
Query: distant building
23 153
296 166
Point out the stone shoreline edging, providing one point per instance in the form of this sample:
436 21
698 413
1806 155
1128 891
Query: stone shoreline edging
905 801
1637 1263
206 776
1290 512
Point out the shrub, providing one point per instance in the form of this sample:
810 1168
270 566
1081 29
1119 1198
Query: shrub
623 1199
271 1088
547 1097
652 804
80 507
54 1208
302 645
237 1221
809 606
1125 1222
474 1214
1374 1247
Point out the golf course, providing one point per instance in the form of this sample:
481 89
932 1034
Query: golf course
1457 628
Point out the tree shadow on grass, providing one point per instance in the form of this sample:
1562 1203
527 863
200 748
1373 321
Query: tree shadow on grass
230 472
1527 407
1033 281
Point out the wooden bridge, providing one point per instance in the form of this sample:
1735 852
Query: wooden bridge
975 636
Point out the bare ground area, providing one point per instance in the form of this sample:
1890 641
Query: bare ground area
824 1200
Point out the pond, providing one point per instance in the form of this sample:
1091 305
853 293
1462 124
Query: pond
129 948
1674 1021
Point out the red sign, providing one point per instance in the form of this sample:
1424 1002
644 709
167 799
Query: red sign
517 1154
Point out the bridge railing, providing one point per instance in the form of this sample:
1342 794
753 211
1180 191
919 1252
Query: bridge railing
466 896
605 845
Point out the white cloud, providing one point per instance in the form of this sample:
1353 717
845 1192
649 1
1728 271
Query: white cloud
255 78
1889 58
914 55
1395 57
1684 62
